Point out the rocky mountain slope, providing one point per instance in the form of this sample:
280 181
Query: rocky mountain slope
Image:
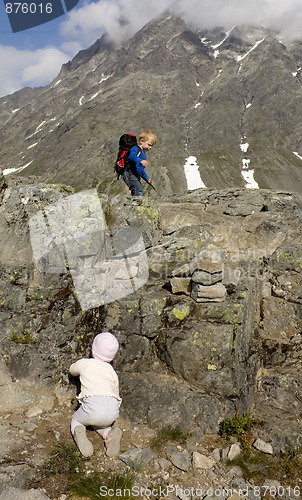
230 100
212 329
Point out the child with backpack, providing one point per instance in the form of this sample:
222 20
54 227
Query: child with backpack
138 162
99 396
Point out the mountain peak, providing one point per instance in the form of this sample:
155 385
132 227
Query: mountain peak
84 56
228 103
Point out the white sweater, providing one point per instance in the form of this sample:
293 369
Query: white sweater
97 378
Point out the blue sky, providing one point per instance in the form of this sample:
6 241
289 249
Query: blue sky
34 57
28 38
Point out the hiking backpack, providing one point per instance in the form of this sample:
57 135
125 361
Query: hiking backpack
126 142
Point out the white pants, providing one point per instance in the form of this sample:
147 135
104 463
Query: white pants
98 412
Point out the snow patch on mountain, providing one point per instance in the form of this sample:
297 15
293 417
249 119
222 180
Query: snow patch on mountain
55 84
248 176
246 172
14 170
192 174
38 129
298 156
32 145
239 58
227 34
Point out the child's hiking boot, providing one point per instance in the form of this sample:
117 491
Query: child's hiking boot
112 442
82 441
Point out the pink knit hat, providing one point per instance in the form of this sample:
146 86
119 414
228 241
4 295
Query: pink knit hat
104 347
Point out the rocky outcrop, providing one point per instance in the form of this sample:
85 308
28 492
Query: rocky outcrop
204 284
182 361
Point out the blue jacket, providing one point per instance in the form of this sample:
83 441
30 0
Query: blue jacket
137 166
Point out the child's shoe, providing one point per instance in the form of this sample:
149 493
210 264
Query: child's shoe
112 442
82 441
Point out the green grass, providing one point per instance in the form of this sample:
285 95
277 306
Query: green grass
64 459
103 485
65 471
25 338
167 434
285 467
256 465
237 426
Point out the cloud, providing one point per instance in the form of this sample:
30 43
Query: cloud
121 19
90 21
21 68
284 17
47 62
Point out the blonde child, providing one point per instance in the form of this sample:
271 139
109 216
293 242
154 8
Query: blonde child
138 161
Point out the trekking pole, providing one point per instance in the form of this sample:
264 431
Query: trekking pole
150 184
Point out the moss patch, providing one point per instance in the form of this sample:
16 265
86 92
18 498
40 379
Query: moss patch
167 434
181 312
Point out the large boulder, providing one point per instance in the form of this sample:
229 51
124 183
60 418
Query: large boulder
181 361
